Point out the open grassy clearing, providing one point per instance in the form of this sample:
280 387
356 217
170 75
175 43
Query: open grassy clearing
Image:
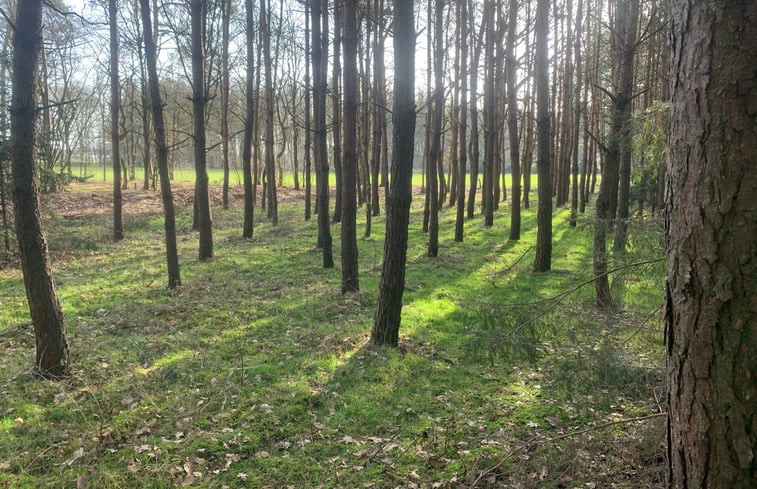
256 373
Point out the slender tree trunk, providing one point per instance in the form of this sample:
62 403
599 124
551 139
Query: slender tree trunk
379 119
336 114
319 56
199 100
249 122
490 117
474 150
711 197
225 19
52 358
543 260
624 174
617 144
512 119
577 110
308 128
270 168
349 165
436 133
172 256
386 322
463 147
115 107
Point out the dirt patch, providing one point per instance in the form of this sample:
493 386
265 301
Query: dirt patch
93 199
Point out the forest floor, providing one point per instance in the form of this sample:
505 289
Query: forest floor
257 372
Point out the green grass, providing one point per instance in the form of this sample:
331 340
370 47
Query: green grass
186 174
257 369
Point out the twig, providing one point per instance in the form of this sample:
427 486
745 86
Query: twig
600 426
7 19
641 326
508 269
530 443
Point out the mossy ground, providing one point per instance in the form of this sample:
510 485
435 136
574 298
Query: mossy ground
256 372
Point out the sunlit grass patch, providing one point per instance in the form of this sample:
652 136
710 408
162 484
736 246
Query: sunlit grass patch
257 370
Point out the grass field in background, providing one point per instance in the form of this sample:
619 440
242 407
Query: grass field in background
186 174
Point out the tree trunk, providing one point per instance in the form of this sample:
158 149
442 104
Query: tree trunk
463 147
319 56
225 15
270 168
199 100
617 144
543 260
626 96
577 109
379 114
386 321
474 149
249 122
115 107
490 118
308 128
336 115
512 119
172 257
711 199
52 359
349 165
436 131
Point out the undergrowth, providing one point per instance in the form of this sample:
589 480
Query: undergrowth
257 372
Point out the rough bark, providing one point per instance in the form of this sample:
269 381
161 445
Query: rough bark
386 321
711 311
51 359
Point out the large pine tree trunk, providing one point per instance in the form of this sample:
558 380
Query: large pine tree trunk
711 307
159 127
386 322
44 306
